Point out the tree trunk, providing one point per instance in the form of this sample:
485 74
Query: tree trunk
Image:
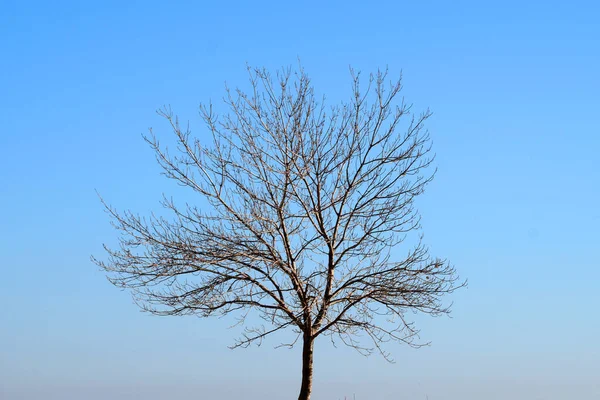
307 368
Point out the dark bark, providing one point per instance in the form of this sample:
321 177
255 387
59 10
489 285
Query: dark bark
307 368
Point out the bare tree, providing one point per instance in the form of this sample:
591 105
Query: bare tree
305 210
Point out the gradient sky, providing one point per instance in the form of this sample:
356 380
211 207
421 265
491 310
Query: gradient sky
514 87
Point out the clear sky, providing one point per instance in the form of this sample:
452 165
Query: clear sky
514 87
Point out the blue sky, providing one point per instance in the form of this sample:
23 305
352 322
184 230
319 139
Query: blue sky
515 206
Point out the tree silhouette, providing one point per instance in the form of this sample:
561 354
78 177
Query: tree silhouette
304 204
